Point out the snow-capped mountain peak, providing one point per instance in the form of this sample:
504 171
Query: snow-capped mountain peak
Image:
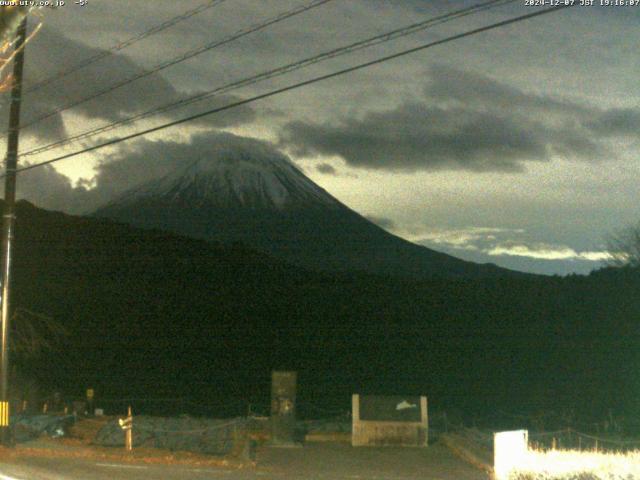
235 179
244 190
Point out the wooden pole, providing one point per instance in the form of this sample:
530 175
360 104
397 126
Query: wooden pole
11 163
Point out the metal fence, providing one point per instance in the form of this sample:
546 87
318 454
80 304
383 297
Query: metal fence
215 437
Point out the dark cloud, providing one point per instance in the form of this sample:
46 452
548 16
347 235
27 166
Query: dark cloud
463 87
50 189
326 169
467 122
617 122
51 52
133 165
414 137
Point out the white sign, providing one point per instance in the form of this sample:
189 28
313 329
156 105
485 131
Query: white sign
509 451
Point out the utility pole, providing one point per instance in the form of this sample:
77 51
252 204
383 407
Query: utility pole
7 229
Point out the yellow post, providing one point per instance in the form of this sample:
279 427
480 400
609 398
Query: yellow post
129 432
4 414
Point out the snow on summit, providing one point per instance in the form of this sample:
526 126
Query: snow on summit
234 173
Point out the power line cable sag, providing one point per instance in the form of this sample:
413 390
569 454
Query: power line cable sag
122 45
282 70
295 86
181 58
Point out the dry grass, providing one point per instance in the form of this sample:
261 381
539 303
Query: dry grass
85 429
78 445
578 465
54 448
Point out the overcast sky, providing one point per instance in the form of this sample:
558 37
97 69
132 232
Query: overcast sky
517 146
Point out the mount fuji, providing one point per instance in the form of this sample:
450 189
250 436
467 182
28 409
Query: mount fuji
248 192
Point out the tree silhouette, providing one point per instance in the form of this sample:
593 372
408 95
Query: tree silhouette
624 247
34 333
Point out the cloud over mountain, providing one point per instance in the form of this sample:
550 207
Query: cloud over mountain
133 164
52 52
466 121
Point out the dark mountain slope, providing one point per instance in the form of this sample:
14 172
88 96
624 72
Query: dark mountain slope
152 314
258 197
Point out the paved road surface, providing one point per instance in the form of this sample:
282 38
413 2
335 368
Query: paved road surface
311 462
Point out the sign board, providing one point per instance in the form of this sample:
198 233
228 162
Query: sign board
389 420
509 451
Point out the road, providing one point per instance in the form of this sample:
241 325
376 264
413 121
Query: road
311 462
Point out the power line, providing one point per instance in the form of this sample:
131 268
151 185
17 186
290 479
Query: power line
297 85
124 44
353 47
181 58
